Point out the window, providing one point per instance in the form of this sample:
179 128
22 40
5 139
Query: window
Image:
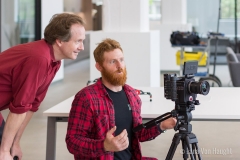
154 9
198 10
25 20
228 9
20 22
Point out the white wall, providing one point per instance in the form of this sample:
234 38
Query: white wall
49 8
174 11
125 15
72 6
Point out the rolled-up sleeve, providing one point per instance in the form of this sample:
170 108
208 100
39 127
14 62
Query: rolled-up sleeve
27 78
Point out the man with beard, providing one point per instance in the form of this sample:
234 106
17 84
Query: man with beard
103 114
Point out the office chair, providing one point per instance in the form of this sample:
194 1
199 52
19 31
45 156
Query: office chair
233 61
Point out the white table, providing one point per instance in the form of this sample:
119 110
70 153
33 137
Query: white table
221 104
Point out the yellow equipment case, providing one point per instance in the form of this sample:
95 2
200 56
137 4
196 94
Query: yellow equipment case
201 57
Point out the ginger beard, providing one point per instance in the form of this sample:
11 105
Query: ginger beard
117 78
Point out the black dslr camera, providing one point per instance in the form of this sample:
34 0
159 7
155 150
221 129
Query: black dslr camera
183 90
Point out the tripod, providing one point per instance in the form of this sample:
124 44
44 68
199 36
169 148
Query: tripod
189 140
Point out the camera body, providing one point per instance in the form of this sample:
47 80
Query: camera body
177 88
184 89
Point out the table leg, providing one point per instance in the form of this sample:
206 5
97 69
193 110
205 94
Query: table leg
51 139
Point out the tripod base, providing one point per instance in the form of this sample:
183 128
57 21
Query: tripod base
189 146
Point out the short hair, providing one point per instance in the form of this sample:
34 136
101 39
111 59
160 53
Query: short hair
105 46
59 27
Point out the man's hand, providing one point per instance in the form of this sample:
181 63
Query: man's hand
117 143
16 151
168 123
5 156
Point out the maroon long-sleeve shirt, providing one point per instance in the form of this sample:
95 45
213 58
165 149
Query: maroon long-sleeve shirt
92 116
26 71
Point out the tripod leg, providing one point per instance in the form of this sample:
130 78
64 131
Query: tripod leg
172 149
185 150
194 150
189 147
193 140
198 151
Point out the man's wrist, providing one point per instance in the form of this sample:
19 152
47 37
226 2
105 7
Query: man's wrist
4 148
4 151
105 146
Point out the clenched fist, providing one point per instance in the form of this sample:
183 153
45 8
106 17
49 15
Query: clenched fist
168 123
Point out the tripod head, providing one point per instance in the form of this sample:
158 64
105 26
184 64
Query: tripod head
184 116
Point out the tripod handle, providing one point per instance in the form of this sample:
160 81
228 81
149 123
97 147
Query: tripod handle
139 127
157 121
153 122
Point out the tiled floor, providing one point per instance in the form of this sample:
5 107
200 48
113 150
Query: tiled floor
217 140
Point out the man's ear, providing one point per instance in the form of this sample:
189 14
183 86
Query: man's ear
58 42
98 66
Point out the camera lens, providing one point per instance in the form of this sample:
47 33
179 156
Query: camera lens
202 87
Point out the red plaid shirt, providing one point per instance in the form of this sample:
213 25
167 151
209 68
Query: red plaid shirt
92 116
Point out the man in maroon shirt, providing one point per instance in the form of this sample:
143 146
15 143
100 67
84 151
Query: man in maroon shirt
26 72
103 114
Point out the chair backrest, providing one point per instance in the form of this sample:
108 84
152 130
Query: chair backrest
221 45
233 66
231 56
